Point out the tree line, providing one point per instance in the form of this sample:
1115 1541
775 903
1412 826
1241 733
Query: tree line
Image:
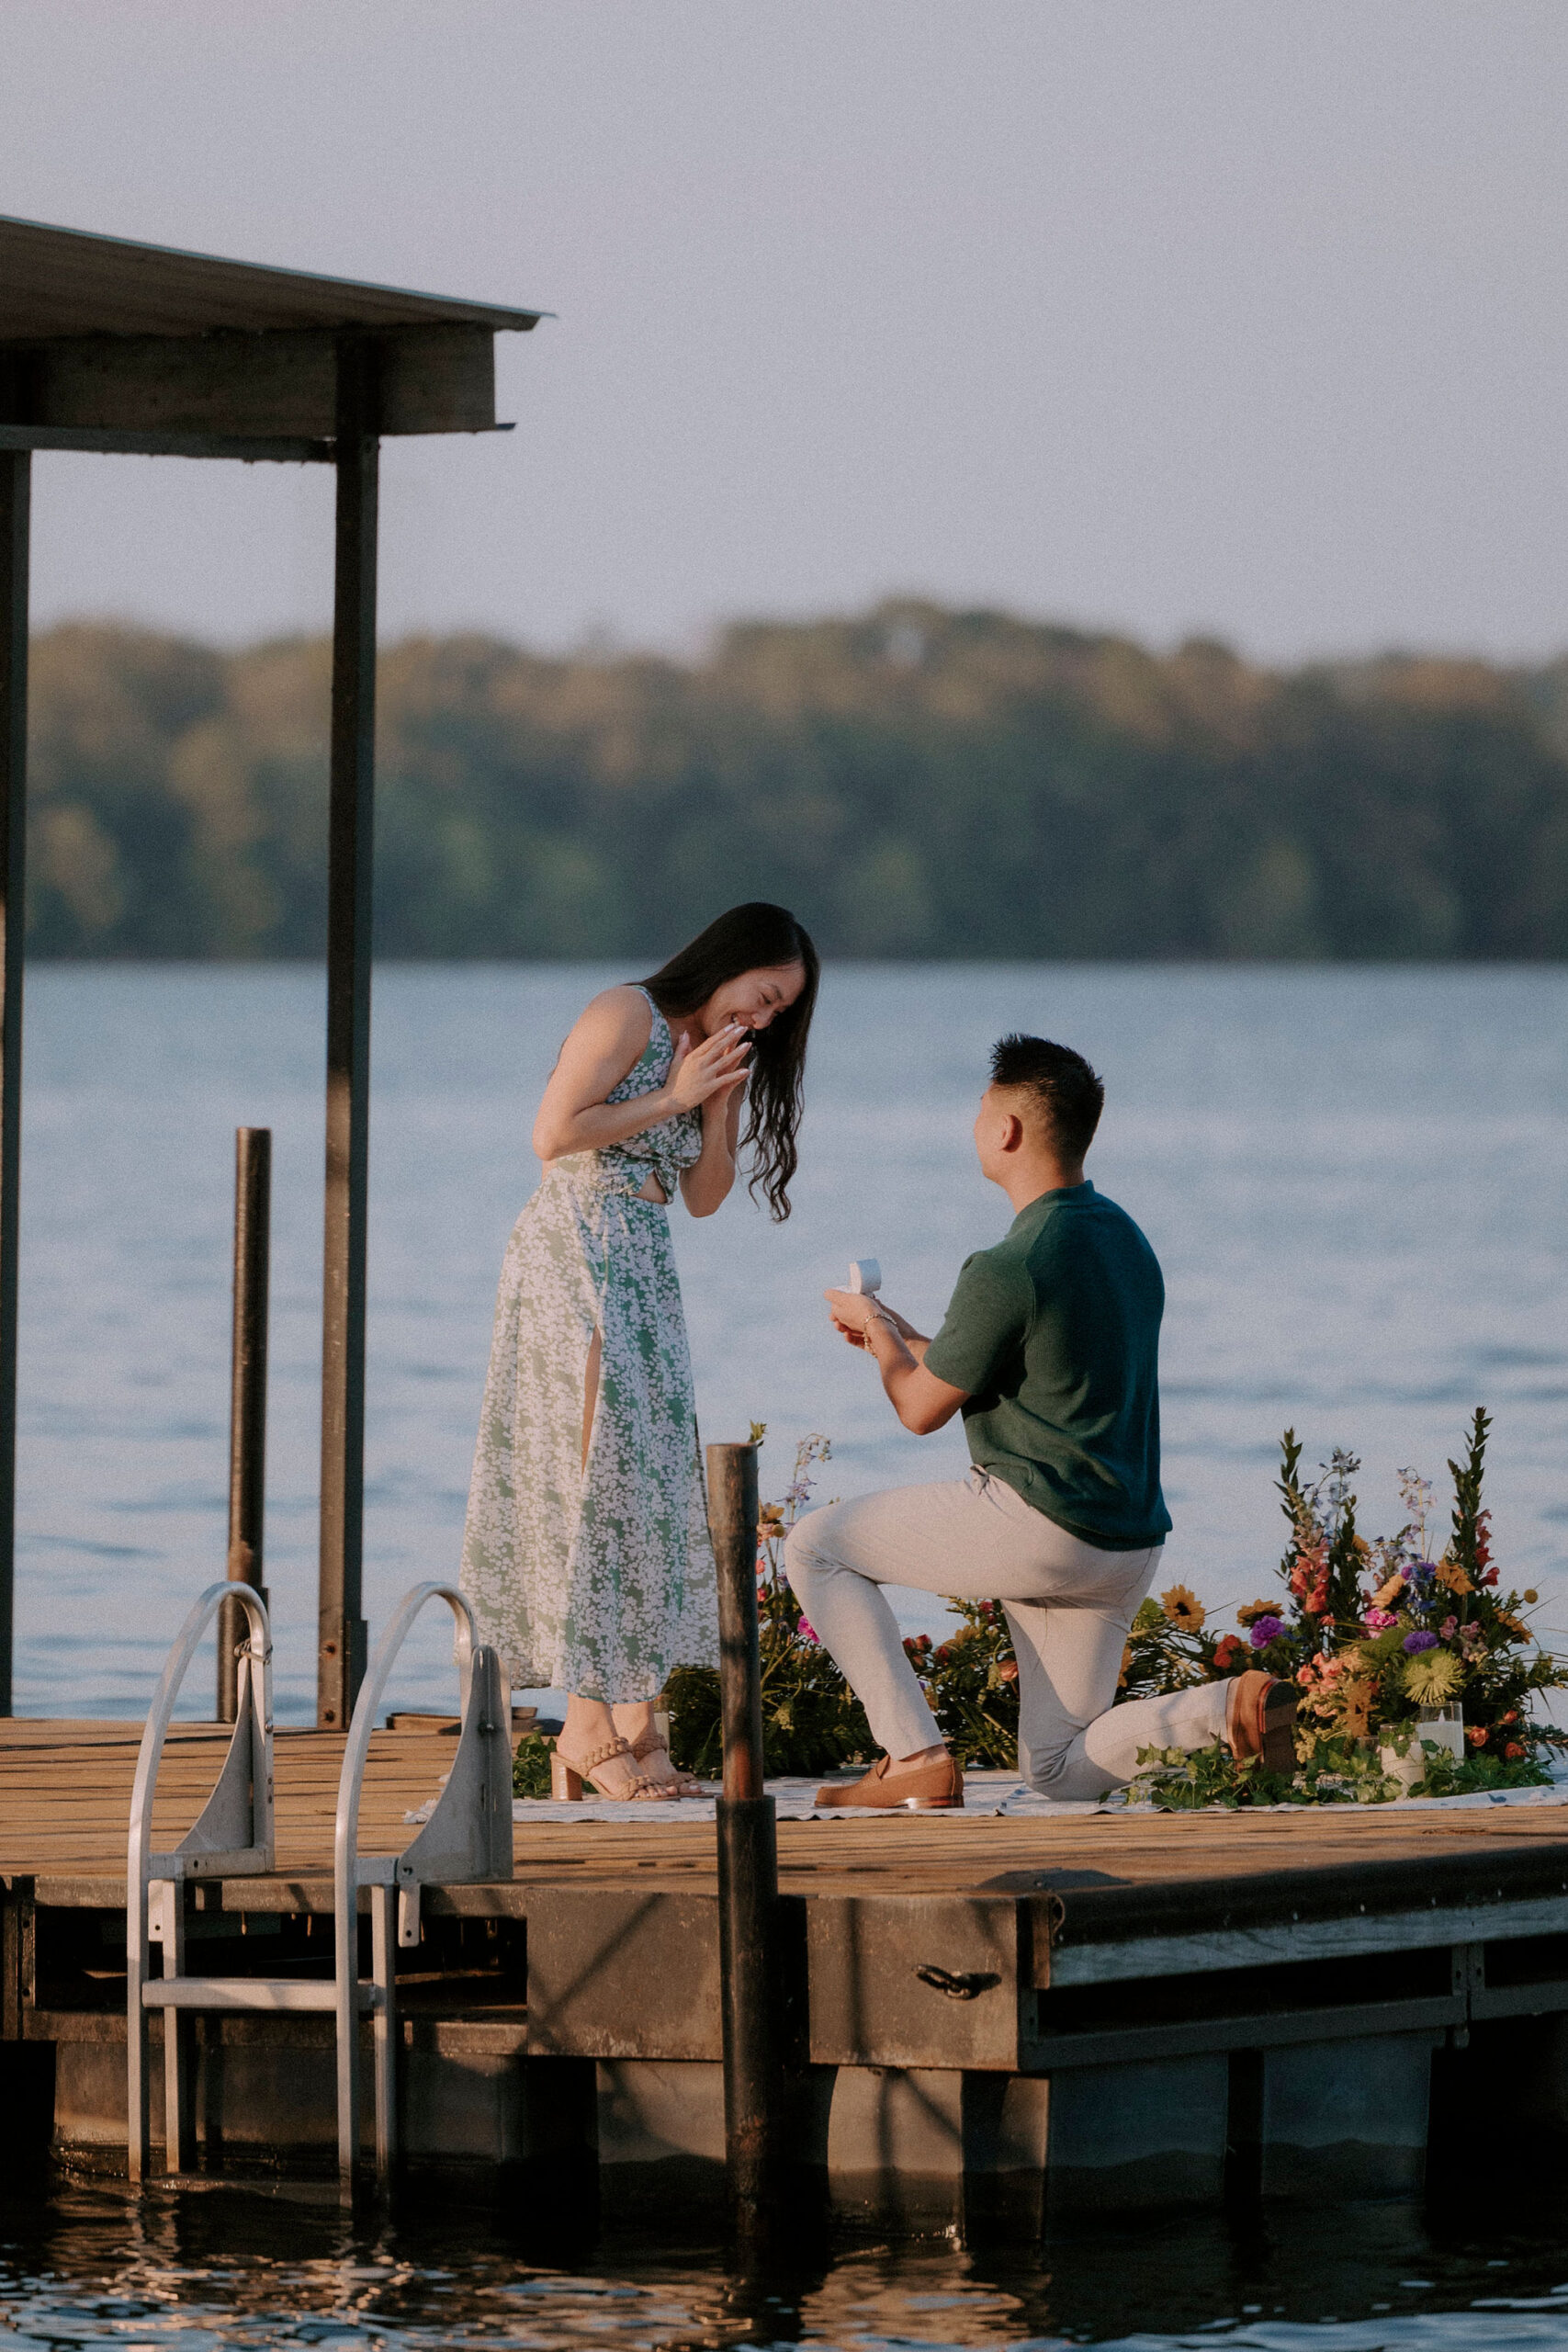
915 782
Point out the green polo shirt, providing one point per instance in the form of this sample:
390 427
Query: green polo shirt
1053 1334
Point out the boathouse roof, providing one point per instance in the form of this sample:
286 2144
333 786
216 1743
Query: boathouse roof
109 345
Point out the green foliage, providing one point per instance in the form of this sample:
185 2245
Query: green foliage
971 1680
531 1766
1334 1770
917 782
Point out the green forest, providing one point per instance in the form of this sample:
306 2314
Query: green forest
913 782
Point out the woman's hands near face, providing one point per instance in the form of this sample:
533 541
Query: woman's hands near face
714 1068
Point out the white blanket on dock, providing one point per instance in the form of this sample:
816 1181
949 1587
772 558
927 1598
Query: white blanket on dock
987 1796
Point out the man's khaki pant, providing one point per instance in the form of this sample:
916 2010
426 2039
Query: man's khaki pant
1068 1607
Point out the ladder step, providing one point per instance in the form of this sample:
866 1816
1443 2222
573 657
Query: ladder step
274 1992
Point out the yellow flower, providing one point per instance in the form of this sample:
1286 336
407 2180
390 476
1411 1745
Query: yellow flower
1126 1662
1357 1695
1183 1608
1531 1595
1432 1677
1256 1609
1453 1574
1516 1630
1387 1594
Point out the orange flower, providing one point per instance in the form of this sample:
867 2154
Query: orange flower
1476 1734
1449 1573
1515 1748
1126 1662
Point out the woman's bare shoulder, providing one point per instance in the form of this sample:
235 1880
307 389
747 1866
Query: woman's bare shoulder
618 1017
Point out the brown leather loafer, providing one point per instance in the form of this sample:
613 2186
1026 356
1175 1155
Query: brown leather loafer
933 1785
1262 1722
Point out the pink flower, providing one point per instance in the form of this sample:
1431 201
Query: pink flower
1448 1628
1378 1619
809 1634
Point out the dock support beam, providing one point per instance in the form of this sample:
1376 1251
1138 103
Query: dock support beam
247 1402
750 1987
340 1652
15 488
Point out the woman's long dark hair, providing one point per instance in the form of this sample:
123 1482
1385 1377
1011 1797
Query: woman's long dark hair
752 938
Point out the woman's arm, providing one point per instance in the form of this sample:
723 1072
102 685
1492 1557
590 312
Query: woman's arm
603 1046
704 1186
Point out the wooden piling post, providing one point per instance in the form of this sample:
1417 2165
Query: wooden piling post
754 2088
341 1638
247 1397
15 491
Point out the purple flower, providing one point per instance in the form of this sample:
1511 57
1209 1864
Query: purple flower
1265 1630
1415 1643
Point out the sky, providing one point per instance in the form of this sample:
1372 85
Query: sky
1234 318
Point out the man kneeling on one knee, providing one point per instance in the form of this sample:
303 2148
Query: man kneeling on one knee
1050 1351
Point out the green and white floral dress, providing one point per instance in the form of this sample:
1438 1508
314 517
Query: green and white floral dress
596 1577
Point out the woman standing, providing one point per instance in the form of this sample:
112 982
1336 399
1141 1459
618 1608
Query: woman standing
586 1553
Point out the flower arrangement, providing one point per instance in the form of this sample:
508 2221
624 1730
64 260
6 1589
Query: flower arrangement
1372 1633
1369 1632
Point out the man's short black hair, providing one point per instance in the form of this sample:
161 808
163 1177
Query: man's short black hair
1070 1095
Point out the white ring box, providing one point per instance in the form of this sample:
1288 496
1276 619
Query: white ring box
866 1274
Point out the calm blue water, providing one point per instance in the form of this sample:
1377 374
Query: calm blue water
1354 1180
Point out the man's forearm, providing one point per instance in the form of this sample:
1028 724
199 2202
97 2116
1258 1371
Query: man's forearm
894 1347
915 1341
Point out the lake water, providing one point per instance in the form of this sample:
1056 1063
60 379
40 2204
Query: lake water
224 2270
1354 1179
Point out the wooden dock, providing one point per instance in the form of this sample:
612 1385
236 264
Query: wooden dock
994 2015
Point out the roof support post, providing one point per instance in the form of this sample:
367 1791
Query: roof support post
341 1647
15 490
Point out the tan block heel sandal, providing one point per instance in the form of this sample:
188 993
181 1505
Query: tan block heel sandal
651 1743
567 1774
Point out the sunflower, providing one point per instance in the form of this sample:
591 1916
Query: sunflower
1255 1610
1432 1677
1183 1608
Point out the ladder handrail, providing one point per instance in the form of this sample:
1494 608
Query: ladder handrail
480 1703
357 1749
244 1784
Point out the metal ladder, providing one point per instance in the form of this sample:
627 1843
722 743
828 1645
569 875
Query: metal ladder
467 1838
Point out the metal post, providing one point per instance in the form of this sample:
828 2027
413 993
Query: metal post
754 2104
16 487
247 1399
341 1651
